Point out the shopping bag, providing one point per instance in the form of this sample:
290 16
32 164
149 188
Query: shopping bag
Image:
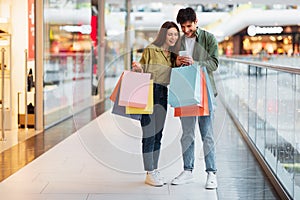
185 88
121 110
195 110
134 89
210 93
148 109
116 89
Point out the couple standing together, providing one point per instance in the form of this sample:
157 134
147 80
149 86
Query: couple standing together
158 59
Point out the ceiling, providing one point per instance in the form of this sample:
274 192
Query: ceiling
271 17
265 2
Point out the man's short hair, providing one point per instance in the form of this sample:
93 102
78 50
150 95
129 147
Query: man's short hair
186 14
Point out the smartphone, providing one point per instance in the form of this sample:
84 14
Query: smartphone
183 53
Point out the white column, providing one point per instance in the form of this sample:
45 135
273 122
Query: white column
39 61
101 48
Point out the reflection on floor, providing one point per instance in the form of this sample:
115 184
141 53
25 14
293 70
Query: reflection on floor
15 136
73 168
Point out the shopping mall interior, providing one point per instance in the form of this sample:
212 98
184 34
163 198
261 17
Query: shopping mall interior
60 61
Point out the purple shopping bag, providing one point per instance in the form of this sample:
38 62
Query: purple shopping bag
121 110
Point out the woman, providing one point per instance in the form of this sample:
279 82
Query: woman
158 58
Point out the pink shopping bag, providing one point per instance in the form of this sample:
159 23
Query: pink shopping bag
134 89
148 109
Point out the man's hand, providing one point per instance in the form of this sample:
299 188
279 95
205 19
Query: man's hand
184 60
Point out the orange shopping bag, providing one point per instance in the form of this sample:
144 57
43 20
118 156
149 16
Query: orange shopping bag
116 89
195 110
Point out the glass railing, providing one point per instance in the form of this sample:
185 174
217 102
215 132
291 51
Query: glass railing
264 99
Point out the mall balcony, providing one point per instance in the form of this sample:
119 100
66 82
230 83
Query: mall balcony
94 154
97 155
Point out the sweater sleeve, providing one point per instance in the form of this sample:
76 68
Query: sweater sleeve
212 60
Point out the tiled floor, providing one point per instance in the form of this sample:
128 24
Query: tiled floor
102 160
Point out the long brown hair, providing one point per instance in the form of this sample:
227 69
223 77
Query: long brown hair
161 38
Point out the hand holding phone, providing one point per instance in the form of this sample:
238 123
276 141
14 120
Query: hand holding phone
184 58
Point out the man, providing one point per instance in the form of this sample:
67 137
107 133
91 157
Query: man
202 48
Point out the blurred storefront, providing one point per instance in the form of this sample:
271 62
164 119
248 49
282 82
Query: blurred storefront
278 40
58 61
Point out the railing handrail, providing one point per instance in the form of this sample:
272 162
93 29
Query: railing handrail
276 67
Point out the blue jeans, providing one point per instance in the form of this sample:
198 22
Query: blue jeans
152 127
188 142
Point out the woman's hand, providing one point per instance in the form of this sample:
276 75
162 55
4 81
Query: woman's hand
136 67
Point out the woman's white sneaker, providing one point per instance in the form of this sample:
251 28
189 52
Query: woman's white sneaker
154 179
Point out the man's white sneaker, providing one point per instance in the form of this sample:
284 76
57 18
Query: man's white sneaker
153 178
211 182
183 178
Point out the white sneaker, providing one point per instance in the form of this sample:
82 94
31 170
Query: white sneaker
183 178
211 182
153 178
160 176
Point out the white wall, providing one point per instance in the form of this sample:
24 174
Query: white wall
19 32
